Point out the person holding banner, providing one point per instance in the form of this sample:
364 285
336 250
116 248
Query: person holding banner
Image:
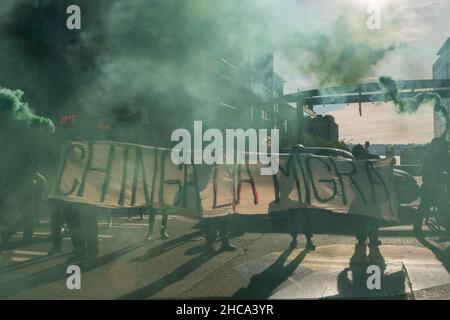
151 226
294 221
214 225
435 164
365 227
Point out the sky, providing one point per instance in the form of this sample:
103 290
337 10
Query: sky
419 26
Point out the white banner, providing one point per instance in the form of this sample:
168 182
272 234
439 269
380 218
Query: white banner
118 175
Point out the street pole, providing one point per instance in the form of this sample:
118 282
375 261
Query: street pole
300 118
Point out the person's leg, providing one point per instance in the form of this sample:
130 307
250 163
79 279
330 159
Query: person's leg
423 209
293 228
75 229
375 255
90 222
55 227
20 223
223 233
162 230
27 206
360 227
308 230
210 234
373 233
151 225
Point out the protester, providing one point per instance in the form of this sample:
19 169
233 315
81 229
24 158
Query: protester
56 225
435 163
294 221
365 227
362 153
83 228
367 146
214 225
26 189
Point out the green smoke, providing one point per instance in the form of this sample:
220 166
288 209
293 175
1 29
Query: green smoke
411 105
14 111
343 53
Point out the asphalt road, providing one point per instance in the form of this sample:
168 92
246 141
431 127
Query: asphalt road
262 267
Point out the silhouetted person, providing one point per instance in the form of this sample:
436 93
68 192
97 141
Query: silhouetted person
367 146
365 227
26 187
435 163
56 225
214 225
82 222
162 229
294 222
361 153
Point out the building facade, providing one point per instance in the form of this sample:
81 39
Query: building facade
324 127
441 71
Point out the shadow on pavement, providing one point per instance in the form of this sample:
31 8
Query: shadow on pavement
177 275
322 222
21 243
263 285
353 282
166 246
58 272
442 255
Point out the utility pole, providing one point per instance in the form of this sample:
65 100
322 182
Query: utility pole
300 118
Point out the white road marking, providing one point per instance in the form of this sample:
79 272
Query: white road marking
105 236
128 227
19 259
68 239
31 253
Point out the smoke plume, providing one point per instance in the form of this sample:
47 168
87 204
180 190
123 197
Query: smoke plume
14 111
411 105
338 57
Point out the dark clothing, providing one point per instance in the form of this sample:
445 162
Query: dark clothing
27 191
294 222
25 222
435 164
360 153
216 225
56 224
365 227
82 224
151 223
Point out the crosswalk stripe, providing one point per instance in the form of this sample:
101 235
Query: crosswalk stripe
128 227
31 253
105 236
68 239
19 259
